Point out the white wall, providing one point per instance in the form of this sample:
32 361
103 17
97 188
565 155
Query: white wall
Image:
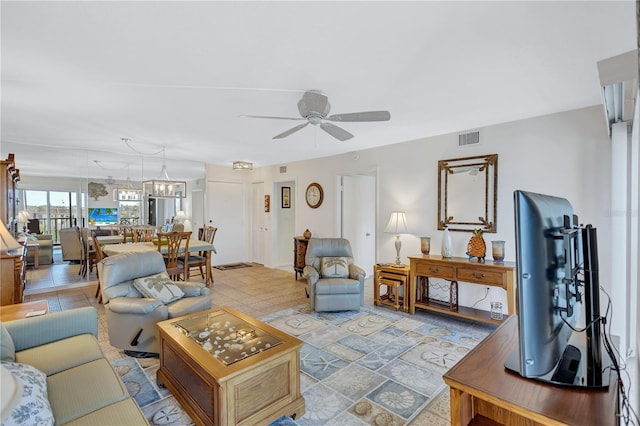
565 154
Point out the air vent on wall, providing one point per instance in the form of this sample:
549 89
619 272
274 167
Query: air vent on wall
466 139
283 169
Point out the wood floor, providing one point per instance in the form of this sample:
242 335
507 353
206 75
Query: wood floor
255 290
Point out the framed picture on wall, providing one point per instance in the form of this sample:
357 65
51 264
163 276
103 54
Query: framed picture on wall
267 203
286 197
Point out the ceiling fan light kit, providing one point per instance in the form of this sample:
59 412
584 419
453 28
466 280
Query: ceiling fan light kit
314 108
242 165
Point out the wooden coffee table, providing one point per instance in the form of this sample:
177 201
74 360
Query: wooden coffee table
227 368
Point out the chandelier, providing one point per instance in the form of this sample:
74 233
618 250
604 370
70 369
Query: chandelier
128 192
163 187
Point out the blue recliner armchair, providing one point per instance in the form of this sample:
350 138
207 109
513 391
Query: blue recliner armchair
132 317
335 283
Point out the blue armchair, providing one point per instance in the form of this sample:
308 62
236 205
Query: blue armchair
335 283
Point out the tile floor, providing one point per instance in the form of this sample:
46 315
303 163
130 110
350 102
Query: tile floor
256 290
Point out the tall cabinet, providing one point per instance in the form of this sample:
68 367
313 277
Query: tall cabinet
9 177
299 252
12 264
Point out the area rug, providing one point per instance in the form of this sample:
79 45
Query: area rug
369 367
232 266
376 366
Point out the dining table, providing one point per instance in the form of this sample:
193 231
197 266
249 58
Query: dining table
109 239
194 246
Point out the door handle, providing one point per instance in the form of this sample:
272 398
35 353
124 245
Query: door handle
367 234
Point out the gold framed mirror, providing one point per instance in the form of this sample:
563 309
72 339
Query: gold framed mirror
467 193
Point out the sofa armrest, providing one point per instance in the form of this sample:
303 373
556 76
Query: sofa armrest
356 272
30 332
135 305
193 290
311 274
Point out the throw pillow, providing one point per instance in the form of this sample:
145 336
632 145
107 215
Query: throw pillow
7 349
158 286
334 267
27 401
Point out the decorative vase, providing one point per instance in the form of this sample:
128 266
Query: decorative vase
497 250
446 244
306 234
477 247
425 245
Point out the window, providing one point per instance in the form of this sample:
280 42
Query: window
53 209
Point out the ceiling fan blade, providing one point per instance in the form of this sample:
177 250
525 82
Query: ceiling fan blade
336 131
270 117
290 131
361 116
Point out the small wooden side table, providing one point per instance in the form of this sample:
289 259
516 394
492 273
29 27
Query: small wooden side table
393 277
20 310
299 253
34 246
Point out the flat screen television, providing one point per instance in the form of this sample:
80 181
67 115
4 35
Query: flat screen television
103 216
558 288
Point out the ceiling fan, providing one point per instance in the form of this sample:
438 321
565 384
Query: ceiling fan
314 107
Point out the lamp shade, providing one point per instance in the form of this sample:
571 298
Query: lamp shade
397 223
23 216
7 242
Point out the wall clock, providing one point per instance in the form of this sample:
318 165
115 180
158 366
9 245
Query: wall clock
314 195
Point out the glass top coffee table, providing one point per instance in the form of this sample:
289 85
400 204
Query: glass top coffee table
227 368
226 337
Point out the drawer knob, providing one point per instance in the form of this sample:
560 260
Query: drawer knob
434 270
478 275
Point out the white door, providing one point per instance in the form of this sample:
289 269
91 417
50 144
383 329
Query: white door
225 207
197 211
359 218
258 227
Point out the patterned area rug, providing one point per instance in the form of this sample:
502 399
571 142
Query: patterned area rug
369 367
376 366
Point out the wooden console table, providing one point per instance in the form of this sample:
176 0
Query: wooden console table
461 269
483 392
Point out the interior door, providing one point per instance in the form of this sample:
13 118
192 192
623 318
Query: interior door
358 218
258 227
226 210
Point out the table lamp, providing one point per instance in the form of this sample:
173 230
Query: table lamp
7 242
397 225
180 217
23 218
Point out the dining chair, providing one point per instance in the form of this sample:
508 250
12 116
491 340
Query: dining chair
143 233
71 244
200 260
125 231
88 253
99 256
173 241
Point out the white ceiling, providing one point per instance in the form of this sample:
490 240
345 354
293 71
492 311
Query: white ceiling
79 76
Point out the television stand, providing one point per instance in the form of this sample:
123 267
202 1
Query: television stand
574 368
481 388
